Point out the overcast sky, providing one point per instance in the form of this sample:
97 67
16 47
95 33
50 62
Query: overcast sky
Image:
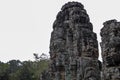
26 25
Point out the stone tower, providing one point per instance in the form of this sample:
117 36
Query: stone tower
73 46
110 46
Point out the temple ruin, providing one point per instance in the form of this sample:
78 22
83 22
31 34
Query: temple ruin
110 47
74 47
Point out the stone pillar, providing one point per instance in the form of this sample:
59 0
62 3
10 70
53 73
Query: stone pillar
110 46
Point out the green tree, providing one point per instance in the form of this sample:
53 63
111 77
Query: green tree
4 71
26 70
14 69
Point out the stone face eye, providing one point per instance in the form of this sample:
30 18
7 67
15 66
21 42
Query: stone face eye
76 21
80 20
76 12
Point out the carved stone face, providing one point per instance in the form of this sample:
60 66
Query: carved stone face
90 74
90 69
113 74
78 16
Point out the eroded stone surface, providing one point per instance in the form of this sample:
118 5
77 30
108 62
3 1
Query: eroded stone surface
73 46
110 45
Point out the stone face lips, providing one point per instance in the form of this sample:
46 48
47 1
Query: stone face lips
73 45
110 46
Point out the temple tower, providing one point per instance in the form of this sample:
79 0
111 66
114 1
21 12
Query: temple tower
73 45
110 46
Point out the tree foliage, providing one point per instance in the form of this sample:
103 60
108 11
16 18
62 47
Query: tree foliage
26 70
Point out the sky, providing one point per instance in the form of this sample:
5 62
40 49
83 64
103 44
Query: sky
26 25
